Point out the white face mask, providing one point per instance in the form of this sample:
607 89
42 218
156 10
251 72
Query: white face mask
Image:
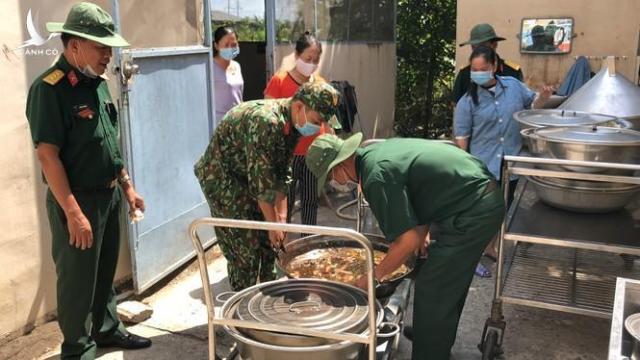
87 70
304 68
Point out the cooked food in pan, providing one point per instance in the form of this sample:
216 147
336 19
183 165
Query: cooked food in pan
343 264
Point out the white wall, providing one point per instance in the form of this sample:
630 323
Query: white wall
602 27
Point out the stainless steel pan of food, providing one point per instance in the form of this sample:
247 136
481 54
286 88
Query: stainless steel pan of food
338 259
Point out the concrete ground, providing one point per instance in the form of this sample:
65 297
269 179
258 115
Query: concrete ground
178 325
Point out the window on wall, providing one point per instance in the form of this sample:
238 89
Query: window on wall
336 20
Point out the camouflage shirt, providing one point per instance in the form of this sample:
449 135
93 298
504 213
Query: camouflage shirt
250 151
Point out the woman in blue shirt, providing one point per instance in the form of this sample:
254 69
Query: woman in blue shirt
483 121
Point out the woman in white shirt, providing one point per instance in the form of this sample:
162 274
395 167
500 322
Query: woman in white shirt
227 75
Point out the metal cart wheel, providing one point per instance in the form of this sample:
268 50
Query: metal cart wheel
490 348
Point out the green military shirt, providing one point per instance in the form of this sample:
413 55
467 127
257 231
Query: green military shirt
76 113
250 151
411 182
461 84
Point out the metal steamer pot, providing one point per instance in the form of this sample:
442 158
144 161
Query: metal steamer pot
585 143
632 325
312 303
304 245
584 196
538 118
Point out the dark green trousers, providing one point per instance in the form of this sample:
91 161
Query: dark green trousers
85 294
444 279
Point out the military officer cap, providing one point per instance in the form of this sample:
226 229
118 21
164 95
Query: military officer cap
321 97
537 30
481 33
89 21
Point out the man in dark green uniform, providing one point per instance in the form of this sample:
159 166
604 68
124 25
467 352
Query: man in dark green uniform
245 169
413 186
74 126
483 35
541 40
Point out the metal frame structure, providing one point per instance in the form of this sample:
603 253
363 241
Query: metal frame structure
369 339
493 332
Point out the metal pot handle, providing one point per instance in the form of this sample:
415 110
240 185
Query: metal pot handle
225 296
394 330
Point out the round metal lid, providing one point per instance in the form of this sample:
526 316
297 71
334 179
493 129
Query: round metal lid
554 117
596 135
632 324
316 304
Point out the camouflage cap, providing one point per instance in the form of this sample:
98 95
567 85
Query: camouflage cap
481 33
89 21
322 98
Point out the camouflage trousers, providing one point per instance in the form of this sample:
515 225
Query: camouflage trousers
249 256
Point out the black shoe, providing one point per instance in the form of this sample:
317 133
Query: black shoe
408 332
124 341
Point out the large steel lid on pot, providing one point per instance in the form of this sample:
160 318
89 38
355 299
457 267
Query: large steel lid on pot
609 93
590 135
554 117
316 304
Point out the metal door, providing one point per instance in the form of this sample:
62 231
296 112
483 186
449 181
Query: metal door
167 119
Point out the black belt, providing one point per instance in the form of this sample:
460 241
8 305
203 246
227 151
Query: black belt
110 185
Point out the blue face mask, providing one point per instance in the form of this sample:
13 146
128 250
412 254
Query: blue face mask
229 53
308 129
481 77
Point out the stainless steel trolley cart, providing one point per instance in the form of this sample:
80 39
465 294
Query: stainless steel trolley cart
368 339
581 242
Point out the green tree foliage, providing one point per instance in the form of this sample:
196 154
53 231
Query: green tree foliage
426 32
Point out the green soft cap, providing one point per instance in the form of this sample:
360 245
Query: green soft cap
327 151
322 98
89 21
481 33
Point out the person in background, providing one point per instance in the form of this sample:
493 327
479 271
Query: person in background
284 84
484 123
227 75
540 39
483 35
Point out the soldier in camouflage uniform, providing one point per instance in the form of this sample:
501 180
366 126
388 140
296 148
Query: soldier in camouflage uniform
245 170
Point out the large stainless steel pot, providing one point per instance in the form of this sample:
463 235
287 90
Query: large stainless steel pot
632 325
552 117
584 196
312 303
585 143
304 245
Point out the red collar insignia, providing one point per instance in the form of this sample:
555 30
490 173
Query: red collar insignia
73 78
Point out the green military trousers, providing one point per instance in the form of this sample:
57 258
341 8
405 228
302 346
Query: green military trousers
248 253
85 294
443 281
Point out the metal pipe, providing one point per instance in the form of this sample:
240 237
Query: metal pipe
369 339
575 175
593 164
503 230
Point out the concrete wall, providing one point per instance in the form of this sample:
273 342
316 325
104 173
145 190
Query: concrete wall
27 280
371 68
602 28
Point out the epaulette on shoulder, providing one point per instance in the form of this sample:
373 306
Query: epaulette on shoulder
512 65
54 77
